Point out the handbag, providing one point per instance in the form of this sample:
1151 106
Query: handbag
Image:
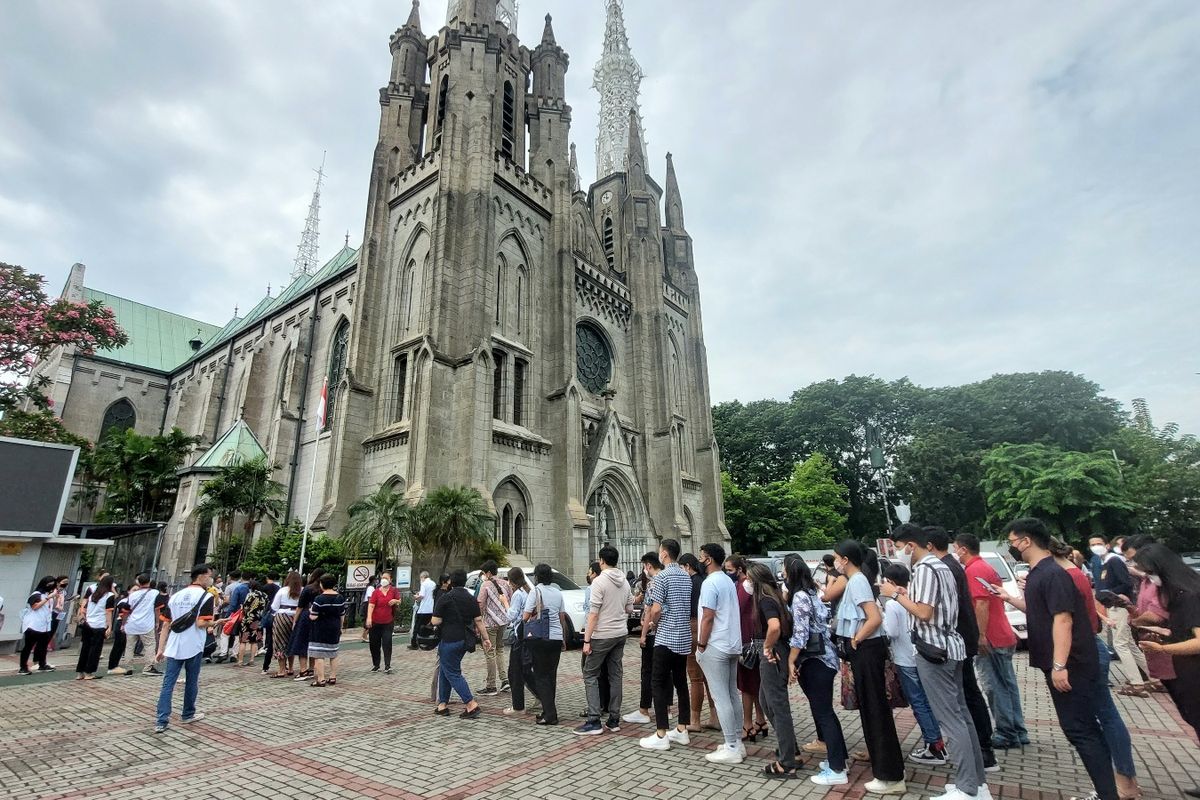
815 646
751 654
231 624
927 650
539 626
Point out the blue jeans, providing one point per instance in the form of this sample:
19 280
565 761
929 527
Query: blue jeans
930 731
1115 732
191 687
1003 694
450 656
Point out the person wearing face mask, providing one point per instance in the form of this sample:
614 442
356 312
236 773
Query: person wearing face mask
183 650
36 622
651 566
1111 575
1063 646
754 719
381 610
1178 587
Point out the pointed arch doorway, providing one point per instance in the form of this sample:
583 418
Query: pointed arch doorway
616 516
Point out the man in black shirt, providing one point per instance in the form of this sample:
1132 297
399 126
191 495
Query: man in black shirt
1062 645
697 685
968 628
269 589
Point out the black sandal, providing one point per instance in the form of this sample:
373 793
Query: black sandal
332 681
776 770
748 735
319 684
762 730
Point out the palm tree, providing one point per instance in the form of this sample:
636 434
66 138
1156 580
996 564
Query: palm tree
380 525
244 487
454 519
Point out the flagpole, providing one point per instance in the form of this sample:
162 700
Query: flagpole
322 410
308 506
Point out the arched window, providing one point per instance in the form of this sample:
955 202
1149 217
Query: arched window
283 392
520 300
443 98
499 288
400 380
609 252
508 117
506 527
519 534
498 385
593 359
119 417
518 392
338 349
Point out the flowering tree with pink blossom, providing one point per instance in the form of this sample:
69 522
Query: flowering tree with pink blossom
31 327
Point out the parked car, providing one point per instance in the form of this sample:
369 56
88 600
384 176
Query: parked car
1192 560
572 603
1008 577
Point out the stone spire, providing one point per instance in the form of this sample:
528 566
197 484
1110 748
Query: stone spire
574 170
548 32
414 17
618 79
674 200
635 150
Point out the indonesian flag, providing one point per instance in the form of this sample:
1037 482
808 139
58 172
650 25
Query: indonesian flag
323 406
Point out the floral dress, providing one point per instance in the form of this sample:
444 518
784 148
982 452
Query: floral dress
253 610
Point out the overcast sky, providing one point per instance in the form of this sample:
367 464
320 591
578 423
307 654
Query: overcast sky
942 190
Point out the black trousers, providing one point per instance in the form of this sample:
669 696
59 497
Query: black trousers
602 679
647 696
118 648
35 642
381 640
268 645
868 663
980 715
520 672
422 619
1077 710
546 654
669 672
816 680
91 642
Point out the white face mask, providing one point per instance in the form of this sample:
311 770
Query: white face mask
1155 579
1099 549
385 582
904 557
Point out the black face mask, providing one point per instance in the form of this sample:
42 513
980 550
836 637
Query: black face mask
732 575
1015 553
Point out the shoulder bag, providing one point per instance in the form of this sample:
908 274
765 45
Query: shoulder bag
188 620
926 650
539 626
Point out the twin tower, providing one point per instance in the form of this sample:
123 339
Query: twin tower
511 331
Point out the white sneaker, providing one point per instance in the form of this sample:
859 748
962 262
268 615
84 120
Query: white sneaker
984 793
741 748
199 715
678 737
655 742
725 754
877 786
953 793
827 777
949 793
636 717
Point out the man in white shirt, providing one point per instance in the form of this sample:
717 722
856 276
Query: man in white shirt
139 624
184 650
423 599
718 648
604 637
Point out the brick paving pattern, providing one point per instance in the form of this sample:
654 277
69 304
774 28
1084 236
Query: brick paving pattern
277 738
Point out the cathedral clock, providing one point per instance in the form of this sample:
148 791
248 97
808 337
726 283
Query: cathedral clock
593 361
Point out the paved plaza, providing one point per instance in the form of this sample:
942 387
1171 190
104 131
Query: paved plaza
374 736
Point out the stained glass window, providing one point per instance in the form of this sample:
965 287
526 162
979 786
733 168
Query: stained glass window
119 417
337 368
593 361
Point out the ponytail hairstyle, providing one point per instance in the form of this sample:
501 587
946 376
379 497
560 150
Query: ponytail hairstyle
763 585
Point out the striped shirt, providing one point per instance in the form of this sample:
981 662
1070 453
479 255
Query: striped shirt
672 589
933 585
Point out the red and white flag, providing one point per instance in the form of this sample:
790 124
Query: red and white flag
323 406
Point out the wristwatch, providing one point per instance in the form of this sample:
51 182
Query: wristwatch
1059 667
896 596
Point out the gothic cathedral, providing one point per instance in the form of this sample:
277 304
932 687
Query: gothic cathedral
500 328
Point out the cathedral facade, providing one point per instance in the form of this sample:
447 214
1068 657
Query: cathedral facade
500 328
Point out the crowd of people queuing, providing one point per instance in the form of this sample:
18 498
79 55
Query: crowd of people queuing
914 629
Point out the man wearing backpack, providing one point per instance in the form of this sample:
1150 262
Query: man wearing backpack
187 618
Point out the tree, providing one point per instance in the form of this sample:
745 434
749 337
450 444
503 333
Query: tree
40 425
139 473
242 487
280 552
750 452
822 503
380 526
938 472
1078 494
760 517
32 326
453 519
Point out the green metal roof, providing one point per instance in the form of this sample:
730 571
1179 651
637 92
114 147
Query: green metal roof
238 444
158 339
345 259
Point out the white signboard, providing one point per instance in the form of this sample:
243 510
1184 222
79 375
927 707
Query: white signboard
358 574
403 577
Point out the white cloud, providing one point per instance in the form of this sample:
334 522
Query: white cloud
936 190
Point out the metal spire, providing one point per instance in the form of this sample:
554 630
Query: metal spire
506 12
618 79
306 253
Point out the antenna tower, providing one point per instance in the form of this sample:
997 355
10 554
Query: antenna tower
306 253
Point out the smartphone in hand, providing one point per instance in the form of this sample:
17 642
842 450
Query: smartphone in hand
989 587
